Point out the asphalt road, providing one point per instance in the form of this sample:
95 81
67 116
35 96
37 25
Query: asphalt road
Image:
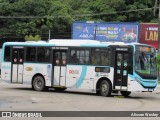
15 97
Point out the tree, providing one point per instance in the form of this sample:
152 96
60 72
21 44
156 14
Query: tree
78 9
106 10
45 15
58 19
21 26
142 15
123 10
37 17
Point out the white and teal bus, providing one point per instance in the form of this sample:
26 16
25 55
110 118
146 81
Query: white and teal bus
88 65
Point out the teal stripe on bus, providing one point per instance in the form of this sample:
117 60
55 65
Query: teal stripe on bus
82 76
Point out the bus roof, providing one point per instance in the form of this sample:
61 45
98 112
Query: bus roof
70 42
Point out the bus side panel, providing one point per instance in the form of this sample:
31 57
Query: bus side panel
6 71
72 74
88 80
105 75
31 69
92 77
110 75
80 76
85 77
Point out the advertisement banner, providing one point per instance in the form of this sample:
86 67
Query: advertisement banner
117 32
83 30
149 34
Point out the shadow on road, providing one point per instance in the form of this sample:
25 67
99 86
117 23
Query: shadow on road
52 90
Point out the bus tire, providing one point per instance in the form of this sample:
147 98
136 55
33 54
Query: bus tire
98 92
125 93
39 83
105 88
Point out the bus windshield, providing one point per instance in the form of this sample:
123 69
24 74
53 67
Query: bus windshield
145 61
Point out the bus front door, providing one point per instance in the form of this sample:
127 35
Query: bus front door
121 70
17 65
59 67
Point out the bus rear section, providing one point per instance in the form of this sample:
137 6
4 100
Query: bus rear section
21 62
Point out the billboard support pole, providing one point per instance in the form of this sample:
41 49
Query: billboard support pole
95 32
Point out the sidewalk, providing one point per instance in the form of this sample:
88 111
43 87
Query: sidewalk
158 89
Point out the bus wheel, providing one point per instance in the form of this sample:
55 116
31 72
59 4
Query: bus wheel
105 88
125 93
98 92
38 83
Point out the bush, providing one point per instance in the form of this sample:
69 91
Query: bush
32 38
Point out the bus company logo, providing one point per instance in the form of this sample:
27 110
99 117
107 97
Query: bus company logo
73 72
28 68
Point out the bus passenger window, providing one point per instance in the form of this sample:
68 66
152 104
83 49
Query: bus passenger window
84 57
96 56
43 54
31 54
74 59
100 56
7 54
79 56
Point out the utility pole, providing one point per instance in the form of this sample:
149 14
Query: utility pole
49 36
157 3
159 29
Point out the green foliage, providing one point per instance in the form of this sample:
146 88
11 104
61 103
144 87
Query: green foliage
58 15
158 60
32 38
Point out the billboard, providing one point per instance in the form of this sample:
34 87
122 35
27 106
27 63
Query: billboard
149 34
103 31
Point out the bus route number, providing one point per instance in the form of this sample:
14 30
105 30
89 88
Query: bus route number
73 72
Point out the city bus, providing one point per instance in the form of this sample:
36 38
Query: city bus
99 67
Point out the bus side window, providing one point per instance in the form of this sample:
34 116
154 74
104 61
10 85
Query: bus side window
96 56
80 56
7 54
73 57
100 56
84 56
31 54
43 54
